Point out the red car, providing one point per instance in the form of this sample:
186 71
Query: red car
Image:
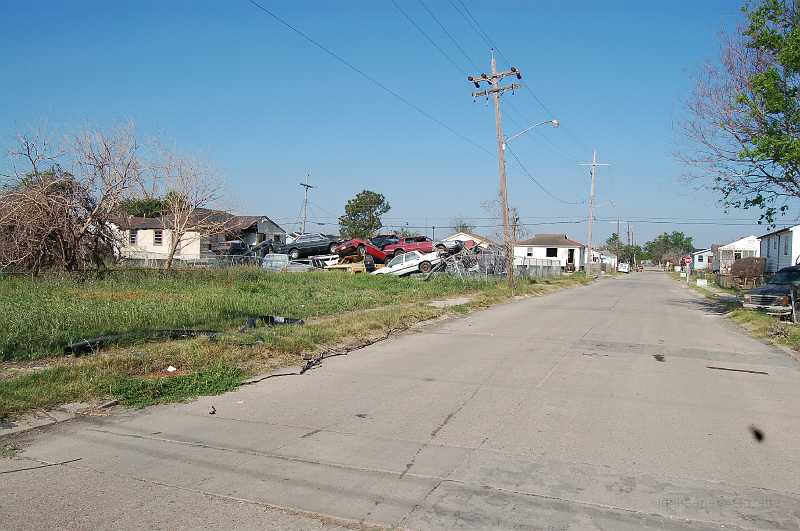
362 247
422 244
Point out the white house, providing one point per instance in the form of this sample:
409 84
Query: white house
553 246
150 238
702 259
726 255
781 248
482 241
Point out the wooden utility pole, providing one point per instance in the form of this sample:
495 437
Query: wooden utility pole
618 239
306 186
496 90
594 164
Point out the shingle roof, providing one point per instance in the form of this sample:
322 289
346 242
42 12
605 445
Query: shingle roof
549 240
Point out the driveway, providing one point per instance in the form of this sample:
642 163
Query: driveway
626 404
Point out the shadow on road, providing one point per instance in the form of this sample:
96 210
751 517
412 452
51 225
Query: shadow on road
717 306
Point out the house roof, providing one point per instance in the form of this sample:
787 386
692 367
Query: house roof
232 222
701 251
550 240
473 236
785 229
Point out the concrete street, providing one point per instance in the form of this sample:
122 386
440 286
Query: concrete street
592 408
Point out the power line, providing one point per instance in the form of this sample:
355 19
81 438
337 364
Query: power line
536 182
470 61
429 39
369 78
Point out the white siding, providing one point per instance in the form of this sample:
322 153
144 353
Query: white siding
781 249
521 252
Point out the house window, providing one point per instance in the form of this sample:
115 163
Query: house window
530 252
158 237
552 252
785 246
132 236
276 238
700 258
737 255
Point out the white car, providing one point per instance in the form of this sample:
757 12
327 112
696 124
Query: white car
624 267
410 262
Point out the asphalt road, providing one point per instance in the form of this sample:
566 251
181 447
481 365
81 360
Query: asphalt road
592 408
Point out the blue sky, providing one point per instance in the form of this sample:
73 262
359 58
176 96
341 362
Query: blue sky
223 80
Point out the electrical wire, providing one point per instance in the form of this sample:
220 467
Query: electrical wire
536 182
429 39
368 77
470 61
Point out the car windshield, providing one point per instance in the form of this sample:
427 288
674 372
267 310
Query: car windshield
785 277
396 260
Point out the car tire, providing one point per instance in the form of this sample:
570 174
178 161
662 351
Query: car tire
362 250
332 248
425 267
398 252
294 254
441 248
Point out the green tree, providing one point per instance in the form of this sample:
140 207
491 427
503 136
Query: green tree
362 215
669 247
744 114
144 207
461 225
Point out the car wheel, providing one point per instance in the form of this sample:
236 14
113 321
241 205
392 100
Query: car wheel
398 252
362 250
441 248
294 254
332 249
425 267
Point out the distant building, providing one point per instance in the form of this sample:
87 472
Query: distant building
781 248
702 260
726 255
150 238
559 247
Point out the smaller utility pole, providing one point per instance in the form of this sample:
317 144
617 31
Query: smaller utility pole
618 239
305 203
594 164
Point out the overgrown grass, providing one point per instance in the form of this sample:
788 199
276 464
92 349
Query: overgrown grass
41 316
344 308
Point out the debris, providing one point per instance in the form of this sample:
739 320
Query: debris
212 411
93 344
758 435
110 403
659 357
171 369
270 320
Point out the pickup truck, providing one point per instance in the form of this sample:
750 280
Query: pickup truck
775 296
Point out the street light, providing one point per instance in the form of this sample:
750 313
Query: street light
554 123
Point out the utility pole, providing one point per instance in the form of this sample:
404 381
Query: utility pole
496 90
594 164
618 239
306 186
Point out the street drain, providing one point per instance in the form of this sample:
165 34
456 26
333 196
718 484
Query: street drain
659 357
735 370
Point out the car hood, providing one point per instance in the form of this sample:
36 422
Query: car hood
771 289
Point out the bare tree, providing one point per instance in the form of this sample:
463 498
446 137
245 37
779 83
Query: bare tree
190 190
57 217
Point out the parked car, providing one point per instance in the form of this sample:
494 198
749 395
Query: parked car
410 262
422 244
453 246
308 244
362 247
776 295
382 240
281 263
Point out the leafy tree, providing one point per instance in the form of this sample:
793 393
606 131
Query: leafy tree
461 225
362 215
744 114
145 207
669 247
407 233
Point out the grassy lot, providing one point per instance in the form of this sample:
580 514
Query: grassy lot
43 315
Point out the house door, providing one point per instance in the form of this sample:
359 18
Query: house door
571 256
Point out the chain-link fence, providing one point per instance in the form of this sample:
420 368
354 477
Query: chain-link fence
488 264
217 260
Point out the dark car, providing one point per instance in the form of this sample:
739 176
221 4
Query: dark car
308 244
382 240
230 247
776 295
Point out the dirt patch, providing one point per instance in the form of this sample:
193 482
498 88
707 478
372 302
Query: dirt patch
446 303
